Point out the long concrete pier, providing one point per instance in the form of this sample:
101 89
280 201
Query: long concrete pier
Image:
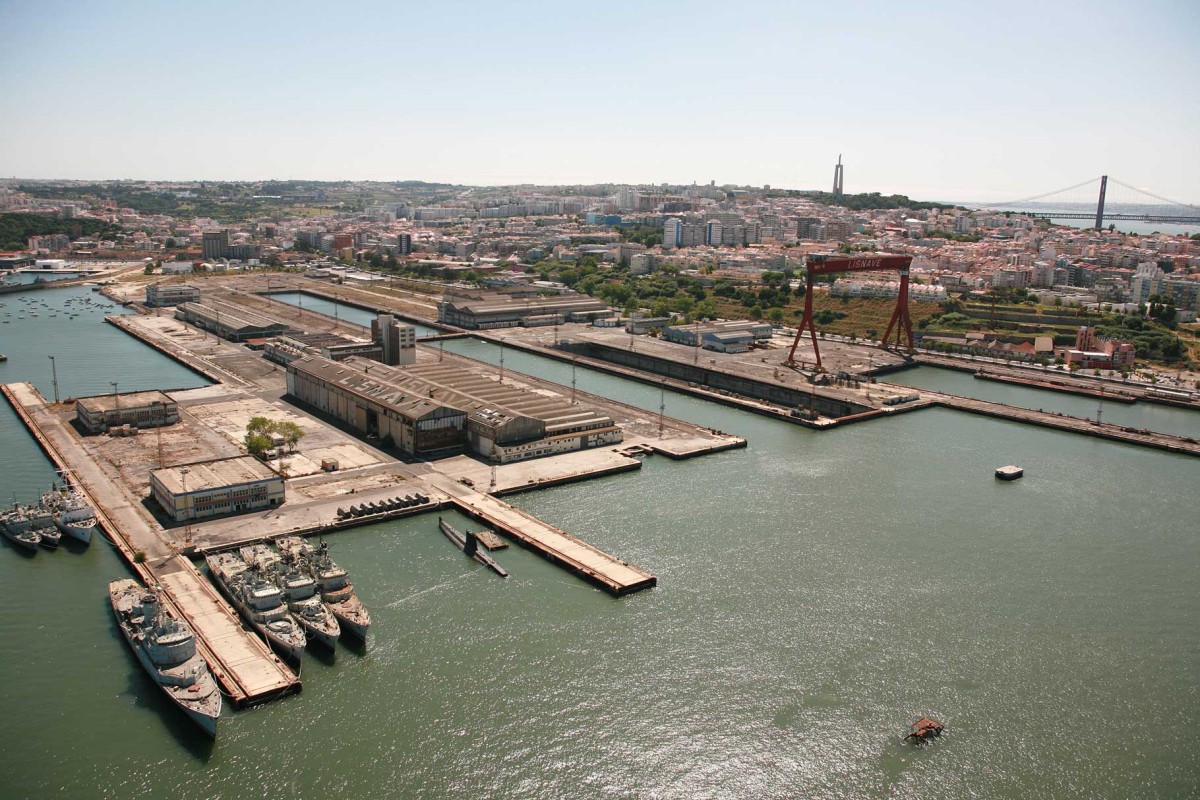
1096 393
1183 445
1068 383
248 671
610 573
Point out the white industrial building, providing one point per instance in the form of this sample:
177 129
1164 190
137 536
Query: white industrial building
157 295
210 488
139 410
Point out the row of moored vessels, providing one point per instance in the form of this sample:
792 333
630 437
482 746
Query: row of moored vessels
291 594
62 510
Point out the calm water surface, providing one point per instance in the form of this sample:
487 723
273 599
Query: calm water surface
1139 415
333 308
817 593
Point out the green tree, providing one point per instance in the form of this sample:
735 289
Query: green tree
262 432
257 444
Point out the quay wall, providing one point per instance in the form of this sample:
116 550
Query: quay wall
196 365
374 308
713 380
1051 386
230 677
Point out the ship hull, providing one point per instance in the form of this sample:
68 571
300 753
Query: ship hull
286 648
29 544
348 624
206 721
81 532
317 634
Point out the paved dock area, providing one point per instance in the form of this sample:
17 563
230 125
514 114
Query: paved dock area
247 669
610 573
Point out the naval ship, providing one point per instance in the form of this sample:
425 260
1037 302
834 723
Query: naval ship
167 649
17 526
299 589
30 526
71 512
332 581
259 601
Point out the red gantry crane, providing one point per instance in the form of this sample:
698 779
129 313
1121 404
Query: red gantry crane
830 265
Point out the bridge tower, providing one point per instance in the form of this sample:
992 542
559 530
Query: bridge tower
837 179
1100 204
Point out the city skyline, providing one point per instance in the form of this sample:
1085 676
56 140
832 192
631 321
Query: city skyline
942 102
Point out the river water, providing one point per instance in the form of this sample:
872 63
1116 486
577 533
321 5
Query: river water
818 592
332 308
1138 415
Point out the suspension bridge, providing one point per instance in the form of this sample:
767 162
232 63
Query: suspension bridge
1093 199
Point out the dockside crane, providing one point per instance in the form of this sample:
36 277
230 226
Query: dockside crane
818 264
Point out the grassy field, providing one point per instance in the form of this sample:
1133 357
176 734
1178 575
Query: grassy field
850 317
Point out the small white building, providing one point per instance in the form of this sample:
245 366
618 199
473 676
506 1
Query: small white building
210 488
171 295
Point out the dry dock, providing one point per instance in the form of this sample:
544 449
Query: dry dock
248 671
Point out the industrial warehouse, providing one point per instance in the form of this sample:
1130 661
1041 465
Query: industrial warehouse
229 321
481 310
138 410
437 409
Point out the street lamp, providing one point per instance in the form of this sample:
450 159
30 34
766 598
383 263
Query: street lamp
116 395
54 372
187 518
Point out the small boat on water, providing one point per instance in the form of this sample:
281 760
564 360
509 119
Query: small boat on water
166 648
469 544
924 729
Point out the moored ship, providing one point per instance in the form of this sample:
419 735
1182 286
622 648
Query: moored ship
17 525
299 588
332 582
31 520
166 648
71 511
259 601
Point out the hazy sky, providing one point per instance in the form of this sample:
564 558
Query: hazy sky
938 100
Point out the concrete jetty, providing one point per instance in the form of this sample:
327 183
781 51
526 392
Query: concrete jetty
615 576
248 671
1082 384
1096 393
1183 445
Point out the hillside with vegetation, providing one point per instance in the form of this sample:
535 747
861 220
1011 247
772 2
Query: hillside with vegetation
15 229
